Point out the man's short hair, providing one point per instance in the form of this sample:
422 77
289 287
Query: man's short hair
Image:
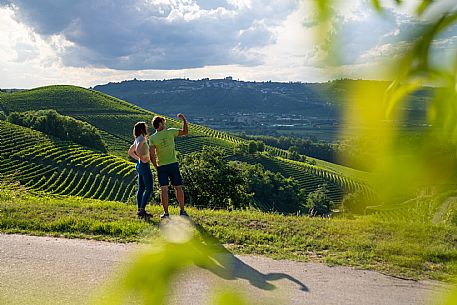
157 120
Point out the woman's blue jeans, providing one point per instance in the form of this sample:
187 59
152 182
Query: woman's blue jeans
145 184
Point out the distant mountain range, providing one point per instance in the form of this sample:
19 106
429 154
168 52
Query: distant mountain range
220 96
223 96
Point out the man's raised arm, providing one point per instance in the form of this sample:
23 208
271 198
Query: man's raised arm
184 130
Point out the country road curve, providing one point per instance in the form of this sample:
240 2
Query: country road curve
48 270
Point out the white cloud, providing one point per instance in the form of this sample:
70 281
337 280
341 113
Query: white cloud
143 34
92 42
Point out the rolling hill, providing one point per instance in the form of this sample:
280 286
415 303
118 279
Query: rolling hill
115 118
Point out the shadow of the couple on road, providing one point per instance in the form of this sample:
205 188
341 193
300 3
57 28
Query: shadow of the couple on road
229 267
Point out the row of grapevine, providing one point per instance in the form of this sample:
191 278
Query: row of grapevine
309 176
45 165
345 184
307 179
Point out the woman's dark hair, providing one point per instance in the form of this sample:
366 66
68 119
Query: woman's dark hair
140 129
156 121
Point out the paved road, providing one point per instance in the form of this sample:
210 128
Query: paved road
45 270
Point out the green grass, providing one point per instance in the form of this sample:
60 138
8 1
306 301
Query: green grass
405 249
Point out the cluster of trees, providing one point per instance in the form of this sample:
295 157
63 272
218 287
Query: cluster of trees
60 126
251 147
272 190
212 181
352 153
298 146
293 153
258 146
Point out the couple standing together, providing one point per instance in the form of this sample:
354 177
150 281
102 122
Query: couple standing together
160 150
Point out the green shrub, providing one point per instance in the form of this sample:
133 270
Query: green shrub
318 202
241 148
355 202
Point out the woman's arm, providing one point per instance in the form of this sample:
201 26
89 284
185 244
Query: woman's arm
132 153
152 155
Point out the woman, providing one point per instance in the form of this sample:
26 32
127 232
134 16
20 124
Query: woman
140 152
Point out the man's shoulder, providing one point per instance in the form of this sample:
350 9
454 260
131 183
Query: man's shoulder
173 131
152 137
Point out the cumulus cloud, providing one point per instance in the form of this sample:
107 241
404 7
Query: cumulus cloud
155 34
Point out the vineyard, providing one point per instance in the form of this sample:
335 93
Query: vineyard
430 205
46 165
309 176
65 168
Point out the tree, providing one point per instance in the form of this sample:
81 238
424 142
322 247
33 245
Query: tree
318 201
252 147
260 146
293 153
355 202
210 181
272 191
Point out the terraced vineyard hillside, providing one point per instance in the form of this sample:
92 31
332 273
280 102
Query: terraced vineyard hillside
43 164
309 176
115 119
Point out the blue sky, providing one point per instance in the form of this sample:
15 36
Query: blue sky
89 42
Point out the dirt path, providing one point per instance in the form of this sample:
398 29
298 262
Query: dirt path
444 207
45 270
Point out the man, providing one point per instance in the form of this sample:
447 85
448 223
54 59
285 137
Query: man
162 147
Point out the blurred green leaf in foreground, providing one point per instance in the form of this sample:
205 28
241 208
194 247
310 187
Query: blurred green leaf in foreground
405 161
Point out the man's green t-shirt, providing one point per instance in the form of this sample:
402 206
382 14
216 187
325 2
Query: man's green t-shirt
164 142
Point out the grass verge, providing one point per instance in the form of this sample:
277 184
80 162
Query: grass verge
399 248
